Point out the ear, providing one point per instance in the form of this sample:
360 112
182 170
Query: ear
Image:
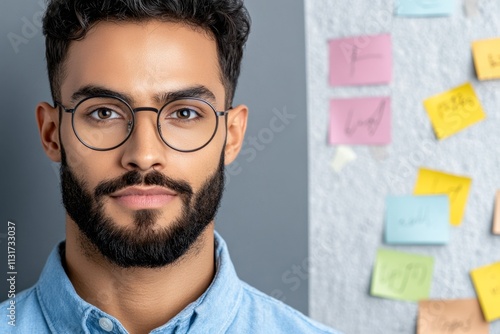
236 127
48 125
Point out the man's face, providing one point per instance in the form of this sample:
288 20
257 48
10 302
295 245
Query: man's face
143 203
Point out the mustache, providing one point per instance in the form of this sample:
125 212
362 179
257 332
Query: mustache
134 178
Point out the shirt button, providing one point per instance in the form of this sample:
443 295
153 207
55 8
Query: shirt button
106 324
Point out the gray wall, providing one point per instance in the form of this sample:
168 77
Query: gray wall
29 182
347 209
264 213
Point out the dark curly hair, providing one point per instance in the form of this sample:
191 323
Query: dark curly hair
69 20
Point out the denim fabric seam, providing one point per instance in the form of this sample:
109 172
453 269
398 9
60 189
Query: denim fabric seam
45 312
232 316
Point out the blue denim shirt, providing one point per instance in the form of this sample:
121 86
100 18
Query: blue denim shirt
227 306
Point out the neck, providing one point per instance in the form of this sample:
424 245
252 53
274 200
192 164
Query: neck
140 298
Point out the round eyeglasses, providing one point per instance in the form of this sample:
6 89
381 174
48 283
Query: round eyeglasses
103 122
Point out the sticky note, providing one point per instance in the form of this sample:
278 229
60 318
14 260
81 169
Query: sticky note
487 58
343 156
402 276
487 284
456 187
360 121
451 316
417 220
496 218
424 7
454 110
361 60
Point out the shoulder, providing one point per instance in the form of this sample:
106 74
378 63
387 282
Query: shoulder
260 313
22 314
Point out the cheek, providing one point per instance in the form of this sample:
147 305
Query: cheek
86 163
76 152
196 167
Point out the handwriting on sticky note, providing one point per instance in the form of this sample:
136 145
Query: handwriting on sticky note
398 279
487 284
453 111
417 220
402 276
424 7
456 187
496 218
451 317
487 58
372 122
361 60
360 121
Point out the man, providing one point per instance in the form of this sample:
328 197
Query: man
143 125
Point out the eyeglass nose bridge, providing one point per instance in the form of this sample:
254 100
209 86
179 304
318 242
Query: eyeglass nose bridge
131 123
136 110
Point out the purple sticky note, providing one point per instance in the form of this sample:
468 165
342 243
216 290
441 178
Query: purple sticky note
362 60
360 121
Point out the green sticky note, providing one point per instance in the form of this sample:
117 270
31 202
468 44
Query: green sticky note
402 276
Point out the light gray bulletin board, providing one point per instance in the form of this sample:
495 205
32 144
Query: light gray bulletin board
347 207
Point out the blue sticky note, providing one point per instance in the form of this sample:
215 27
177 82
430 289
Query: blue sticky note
419 220
425 7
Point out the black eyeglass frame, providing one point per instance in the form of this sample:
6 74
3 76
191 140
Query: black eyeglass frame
135 110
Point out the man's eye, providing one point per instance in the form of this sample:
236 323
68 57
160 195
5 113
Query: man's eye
184 113
104 114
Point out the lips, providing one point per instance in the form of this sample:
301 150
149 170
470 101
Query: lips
137 198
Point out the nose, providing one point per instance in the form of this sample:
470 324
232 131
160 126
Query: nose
145 149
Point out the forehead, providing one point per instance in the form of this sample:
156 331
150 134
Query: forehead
143 59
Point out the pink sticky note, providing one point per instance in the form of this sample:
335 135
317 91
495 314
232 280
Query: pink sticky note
363 121
361 60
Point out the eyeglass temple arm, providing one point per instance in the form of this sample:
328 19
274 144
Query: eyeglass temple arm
223 113
58 104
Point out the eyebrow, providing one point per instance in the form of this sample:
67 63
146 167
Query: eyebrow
198 91
92 90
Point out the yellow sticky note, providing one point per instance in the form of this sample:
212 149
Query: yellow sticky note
431 182
487 283
487 58
454 110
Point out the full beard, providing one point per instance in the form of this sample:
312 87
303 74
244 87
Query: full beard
145 244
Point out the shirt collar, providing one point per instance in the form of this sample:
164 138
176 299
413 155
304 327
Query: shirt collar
212 312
